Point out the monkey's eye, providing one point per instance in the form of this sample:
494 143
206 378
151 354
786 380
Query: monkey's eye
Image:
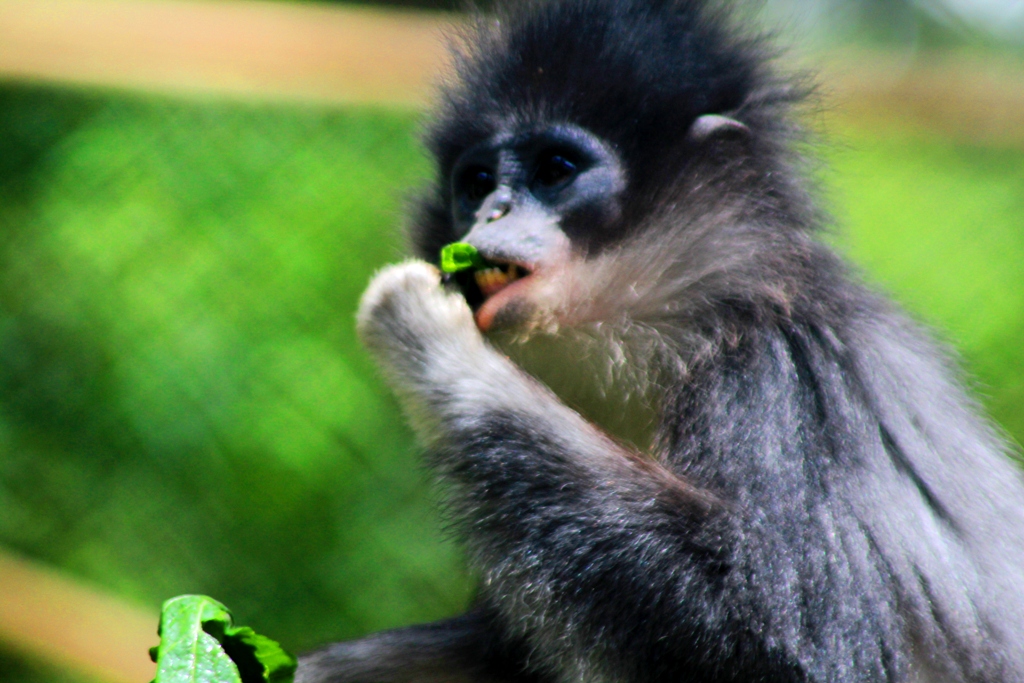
553 170
476 182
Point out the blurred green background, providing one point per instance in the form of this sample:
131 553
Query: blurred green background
184 406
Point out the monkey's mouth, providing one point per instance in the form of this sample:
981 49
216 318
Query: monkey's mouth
492 280
488 289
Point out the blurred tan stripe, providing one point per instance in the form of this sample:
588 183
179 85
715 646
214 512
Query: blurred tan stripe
277 49
972 96
53 617
345 54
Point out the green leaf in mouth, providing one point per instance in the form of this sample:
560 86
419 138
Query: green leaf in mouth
459 256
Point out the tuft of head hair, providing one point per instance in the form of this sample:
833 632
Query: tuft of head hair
637 73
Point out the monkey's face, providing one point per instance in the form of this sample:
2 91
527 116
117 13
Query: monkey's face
567 237
532 201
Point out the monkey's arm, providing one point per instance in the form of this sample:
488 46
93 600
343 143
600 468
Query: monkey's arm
477 410
453 384
466 649
585 547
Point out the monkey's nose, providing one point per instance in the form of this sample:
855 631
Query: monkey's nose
499 210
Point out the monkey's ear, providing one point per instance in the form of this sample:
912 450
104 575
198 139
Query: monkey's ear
716 125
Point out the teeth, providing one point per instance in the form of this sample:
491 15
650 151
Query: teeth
492 280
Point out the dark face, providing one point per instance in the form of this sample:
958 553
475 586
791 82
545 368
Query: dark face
529 201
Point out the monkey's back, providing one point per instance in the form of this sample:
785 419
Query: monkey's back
873 506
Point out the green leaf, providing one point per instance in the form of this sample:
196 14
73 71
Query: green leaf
459 256
200 644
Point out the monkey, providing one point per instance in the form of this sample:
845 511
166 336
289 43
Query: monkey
680 439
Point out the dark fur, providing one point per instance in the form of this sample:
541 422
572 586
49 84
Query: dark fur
824 502
636 74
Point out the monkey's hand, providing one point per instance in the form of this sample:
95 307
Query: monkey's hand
426 341
405 313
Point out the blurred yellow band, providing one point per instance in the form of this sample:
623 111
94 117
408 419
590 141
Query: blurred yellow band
48 615
309 52
291 50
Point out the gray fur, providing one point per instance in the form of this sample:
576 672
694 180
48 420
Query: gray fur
695 447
